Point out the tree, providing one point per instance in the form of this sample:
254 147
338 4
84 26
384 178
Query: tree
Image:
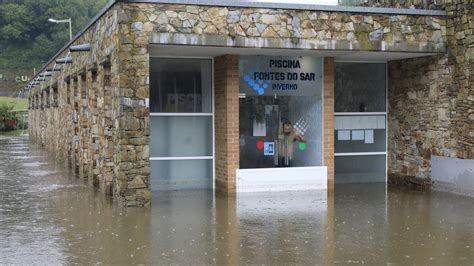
27 38
16 22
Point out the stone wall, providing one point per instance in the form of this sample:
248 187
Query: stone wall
431 103
417 4
93 123
279 28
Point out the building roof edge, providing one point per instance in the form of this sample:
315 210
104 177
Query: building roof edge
79 34
315 7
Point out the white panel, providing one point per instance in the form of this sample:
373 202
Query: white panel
281 179
453 175
359 122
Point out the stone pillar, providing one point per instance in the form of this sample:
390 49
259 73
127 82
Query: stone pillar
76 99
226 87
68 103
132 115
328 141
94 150
106 128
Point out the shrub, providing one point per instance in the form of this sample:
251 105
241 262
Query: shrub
10 120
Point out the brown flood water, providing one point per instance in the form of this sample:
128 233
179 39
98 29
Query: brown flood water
47 215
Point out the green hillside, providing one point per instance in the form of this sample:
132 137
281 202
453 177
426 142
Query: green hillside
28 39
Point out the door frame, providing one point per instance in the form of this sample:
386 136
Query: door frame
368 113
211 114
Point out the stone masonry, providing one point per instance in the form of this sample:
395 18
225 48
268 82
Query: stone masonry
431 103
278 28
95 112
419 4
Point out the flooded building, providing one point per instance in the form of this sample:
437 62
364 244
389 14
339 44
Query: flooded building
246 96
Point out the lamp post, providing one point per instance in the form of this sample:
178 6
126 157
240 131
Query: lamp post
64 21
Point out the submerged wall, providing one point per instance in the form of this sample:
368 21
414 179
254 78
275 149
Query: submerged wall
431 103
83 114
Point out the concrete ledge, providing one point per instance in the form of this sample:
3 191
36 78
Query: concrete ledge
292 43
282 179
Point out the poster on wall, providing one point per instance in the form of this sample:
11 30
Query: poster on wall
369 136
281 76
343 135
259 128
358 135
269 148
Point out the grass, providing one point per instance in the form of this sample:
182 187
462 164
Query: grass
17 103
17 132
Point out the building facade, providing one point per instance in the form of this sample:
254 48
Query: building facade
242 96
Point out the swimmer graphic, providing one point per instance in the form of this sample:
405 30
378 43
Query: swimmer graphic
286 144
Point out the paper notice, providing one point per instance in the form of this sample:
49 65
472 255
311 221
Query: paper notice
343 135
369 136
357 134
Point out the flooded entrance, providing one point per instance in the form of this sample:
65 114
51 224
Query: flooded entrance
48 215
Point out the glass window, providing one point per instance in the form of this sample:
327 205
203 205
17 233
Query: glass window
360 87
180 85
181 174
181 123
360 169
174 136
280 112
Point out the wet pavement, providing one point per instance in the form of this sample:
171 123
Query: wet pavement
48 215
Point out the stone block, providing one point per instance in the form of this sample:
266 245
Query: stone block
137 26
137 182
376 35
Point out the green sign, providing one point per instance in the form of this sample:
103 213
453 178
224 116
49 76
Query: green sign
18 79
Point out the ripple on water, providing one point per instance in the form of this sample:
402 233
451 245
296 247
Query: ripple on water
34 164
15 152
52 187
27 157
41 173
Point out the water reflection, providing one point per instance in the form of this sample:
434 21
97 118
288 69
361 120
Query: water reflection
49 215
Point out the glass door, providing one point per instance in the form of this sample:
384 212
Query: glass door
181 124
360 123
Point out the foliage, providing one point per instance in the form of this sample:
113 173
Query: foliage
10 120
28 40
